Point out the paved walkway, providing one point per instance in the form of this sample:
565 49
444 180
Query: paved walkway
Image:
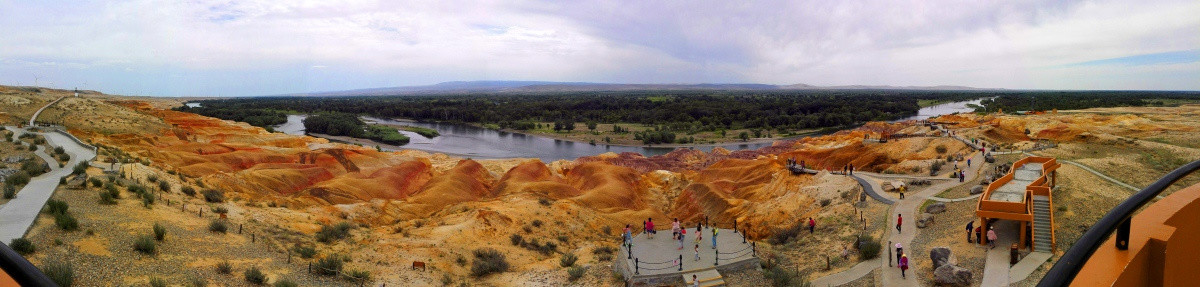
39 111
854 273
1027 265
939 199
18 215
661 254
872 189
996 271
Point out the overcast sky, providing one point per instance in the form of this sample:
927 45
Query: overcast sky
240 48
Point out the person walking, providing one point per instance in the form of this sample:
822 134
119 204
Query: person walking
682 233
992 237
902 189
970 226
903 265
899 251
650 228
852 169
968 162
812 224
675 226
979 234
697 249
695 283
899 221
961 176
628 236
714 237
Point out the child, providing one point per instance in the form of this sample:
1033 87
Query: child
697 249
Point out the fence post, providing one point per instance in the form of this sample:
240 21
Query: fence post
889 249
716 256
636 269
735 226
753 248
253 237
629 249
200 212
240 228
743 236
680 262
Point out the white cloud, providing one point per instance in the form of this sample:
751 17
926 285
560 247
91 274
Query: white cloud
267 47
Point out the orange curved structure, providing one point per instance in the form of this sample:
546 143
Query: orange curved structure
1164 247
1024 195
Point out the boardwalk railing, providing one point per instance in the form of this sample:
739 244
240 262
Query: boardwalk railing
1118 219
21 270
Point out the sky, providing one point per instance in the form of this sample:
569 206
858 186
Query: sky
247 48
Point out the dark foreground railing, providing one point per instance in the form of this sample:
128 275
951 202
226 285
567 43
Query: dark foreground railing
21 270
1117 219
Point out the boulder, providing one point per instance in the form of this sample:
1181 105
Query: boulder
941 256
924 220
977 189
935 208
891 186
952 275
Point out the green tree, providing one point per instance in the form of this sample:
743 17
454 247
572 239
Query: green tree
745 136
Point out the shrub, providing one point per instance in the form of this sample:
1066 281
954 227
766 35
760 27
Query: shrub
213 196
188 190
782 236
22 246
446 279
9 191
157 282
330 265
488 261
96 182
781 276
59 150
107 198
825 202
544 201
196 281
145 244
224 267
66 222
255 276
216 225
567 260
330 233
220 209
305 252
941 149
868 248
564 239
80 168
358 275
20 177
147 199
285 283
574 273
152 178
164 186
160 232
604 250
60 272
460 260
537 223
516 239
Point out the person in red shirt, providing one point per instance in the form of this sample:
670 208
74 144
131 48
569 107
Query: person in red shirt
812 224
899 220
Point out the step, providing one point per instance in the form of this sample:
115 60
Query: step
708 277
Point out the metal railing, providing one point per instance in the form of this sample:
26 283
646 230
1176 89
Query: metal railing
21 270
1118 220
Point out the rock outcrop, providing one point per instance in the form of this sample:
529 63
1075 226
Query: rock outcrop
924 220
977 189
952 275
935 208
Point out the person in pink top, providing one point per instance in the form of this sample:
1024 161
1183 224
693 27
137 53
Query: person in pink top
992 237
903 265
650 228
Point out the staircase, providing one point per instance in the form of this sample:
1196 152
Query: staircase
708 277
1041 224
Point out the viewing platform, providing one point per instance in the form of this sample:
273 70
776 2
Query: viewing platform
660 261
1023 195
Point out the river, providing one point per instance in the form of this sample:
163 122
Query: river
475 142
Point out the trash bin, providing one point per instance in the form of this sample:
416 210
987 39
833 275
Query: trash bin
1013 254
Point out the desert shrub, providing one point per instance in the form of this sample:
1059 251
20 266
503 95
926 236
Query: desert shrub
220 209
80 168
285 283
782 236
59 150
825 202
96 182
446 279
606 229
188 190
145 244
488 261
544 201
136 188
216 225
32 147
516 239
936 167
22 246
9 191
147 199
224 267
330 265
213 196
20 177
107 198
152 178
60 272
868 248
305 252
196 281
567 260
164 186
157 282
574 273
358 275
255 276
66 222
460 260
537 223
941 149
330 233
604 250
160 232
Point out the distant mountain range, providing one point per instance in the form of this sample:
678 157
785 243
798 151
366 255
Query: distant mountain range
541 86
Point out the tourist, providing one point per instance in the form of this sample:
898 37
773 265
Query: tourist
978 233
961 176
899 220
970 225
903 265
899 251
697 249
695 282
845 252
852 169
992 237
714 237
812 224
902 188
682 232
628 235
968 162
675 227
650 228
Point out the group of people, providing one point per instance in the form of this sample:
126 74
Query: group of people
991 234
679 233
848 169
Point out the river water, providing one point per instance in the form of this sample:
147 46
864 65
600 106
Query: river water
475 142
